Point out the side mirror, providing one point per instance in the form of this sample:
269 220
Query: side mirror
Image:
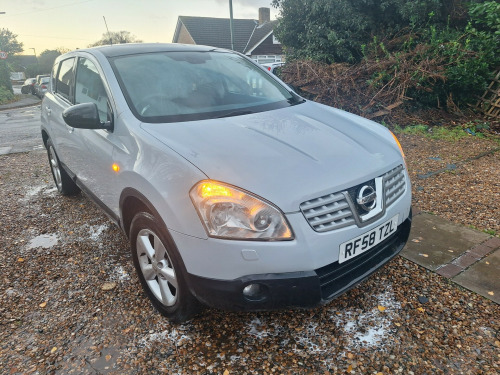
85 116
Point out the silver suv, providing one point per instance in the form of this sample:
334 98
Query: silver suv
233 190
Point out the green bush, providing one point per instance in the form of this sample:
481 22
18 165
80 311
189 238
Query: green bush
5 95
452 49
5 76
335 30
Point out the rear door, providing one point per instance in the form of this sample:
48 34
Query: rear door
62 98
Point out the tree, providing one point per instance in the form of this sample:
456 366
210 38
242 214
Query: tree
336 30
116 37
9 44
46 60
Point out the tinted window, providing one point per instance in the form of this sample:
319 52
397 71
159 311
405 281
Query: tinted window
65 79
89 87
182 86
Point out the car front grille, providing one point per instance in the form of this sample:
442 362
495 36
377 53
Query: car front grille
328 212
394 185
334 211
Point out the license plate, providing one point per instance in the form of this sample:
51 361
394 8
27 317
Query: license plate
366 241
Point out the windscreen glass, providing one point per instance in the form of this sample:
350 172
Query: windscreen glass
184 86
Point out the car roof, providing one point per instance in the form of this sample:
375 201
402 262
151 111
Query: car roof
138 48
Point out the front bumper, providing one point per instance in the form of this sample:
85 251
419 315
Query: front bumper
299 289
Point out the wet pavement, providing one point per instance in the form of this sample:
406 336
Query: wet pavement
20 130
468 257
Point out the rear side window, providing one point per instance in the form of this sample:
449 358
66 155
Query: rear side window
65 79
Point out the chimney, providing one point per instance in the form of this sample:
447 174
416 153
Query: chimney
264 15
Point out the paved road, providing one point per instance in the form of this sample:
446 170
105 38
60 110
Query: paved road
20 130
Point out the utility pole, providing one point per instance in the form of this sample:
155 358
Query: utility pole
34 51
109 35
231 23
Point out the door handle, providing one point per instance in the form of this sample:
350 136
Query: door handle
47 108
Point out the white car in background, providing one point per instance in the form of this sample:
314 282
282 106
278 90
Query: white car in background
271 67
233 190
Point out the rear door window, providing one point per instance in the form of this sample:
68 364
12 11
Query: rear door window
65 79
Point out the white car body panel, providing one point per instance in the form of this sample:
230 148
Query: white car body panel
286 156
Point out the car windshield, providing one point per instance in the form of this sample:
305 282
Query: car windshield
185 86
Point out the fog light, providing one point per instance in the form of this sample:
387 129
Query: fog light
251 290
255 292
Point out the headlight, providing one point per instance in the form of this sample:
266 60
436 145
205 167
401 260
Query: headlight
231 213
400 148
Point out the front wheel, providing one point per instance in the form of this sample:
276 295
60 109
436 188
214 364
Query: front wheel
158 265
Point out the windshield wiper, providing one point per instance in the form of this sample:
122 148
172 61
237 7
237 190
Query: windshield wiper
295 99
236 113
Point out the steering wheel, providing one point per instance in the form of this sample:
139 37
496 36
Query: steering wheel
156 105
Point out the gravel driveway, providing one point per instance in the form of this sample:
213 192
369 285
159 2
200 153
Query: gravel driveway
70 302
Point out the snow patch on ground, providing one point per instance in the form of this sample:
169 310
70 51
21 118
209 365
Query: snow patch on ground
371 329
50 192
357 330
176 336
260 329
120 274
31 193
95 231
257 329
45 241
36 190
311 341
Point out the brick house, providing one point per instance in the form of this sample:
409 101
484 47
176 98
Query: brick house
253 38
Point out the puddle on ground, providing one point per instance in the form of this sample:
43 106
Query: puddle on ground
45 241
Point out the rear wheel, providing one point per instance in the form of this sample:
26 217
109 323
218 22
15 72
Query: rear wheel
65 185
158 265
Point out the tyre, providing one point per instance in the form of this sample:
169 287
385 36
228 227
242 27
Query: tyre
25 90
65 185
158 265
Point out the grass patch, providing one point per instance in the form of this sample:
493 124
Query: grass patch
451 134
448 134
490 232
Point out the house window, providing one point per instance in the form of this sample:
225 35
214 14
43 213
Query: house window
264 59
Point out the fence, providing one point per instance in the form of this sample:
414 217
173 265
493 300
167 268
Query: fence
489 103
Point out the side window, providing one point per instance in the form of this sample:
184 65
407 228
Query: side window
53 75
65 78
89 87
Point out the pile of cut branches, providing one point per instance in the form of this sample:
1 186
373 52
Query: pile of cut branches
371 88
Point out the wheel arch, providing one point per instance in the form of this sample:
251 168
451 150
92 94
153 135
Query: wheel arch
45 137
131 203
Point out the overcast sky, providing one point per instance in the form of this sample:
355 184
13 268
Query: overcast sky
50 24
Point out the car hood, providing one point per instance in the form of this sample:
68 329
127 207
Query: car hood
288 155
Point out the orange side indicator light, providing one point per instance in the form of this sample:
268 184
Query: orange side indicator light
115 167
210 189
